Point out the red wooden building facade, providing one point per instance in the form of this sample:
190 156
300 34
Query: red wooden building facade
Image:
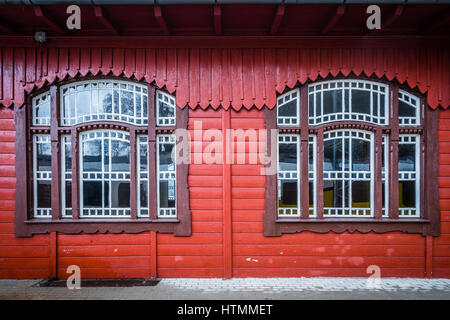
228 71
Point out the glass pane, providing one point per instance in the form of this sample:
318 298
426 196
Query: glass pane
288 193
116 102
167 194
406 157
407 194
44 157
288 156
127 102
332 101
120 156
332 193
360 155
44 108
405 110
106 194
94 101
288 110
92 194
383 201
68 194
44 194
106 154
311 105
318 104
165 157
310 157
360 101
143 157
143 194
92 157
105 100
165 110
332 155
68 157
120 194
361 194
311 194
83 103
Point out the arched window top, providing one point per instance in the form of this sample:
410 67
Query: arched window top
408 108
288 106
41 109
165 110
348 100
104 100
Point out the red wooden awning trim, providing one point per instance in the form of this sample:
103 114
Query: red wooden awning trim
216 77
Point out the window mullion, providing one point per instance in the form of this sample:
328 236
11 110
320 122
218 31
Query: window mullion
56 153
75 175
304 147
377 178
319 175
152 201
133 180
393 155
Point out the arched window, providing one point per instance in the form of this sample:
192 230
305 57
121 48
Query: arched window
106 154
352 150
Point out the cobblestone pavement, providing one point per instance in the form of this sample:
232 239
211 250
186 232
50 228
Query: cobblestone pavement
242 289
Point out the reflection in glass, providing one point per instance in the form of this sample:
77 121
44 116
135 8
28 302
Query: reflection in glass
287 156
288 194
361 101
332 157
92 194
44 157
44 194
407 194
406 157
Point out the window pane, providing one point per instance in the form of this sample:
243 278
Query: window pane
289 194
167 194
165 157
332 101
332 193
92 194
332 155
361 194
143 194
127 103
406 157
83 103
407 194
105 98
310 157
361 101
288 156
165 110
311 194
288 110
143 157
92 156
120 194
44 194
120 156
68 157
68 194
360 155
405 110
44 157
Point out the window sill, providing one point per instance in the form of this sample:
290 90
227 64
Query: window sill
90 226
341 225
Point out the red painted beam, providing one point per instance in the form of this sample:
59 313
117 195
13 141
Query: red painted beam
53 26
218 19
276 22
331 22
104 20
160 19
429 257
395 14
153 255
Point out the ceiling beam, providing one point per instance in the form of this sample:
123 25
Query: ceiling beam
98 10
160 19
218 19
53 26
276 22
331 21
5 28
437 22
396 13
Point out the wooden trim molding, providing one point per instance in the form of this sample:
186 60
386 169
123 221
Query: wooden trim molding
428 224
26 225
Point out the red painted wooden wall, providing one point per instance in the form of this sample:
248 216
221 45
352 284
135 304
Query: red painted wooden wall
202 254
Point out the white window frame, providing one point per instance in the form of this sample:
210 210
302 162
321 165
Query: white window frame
405 213
412 101
349 115
103 211
142 176
289 121
36 104
346 175
170 175
65 176
40 176
171 101
135 119
291 175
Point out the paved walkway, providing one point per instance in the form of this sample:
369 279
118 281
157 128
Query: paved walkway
242 289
